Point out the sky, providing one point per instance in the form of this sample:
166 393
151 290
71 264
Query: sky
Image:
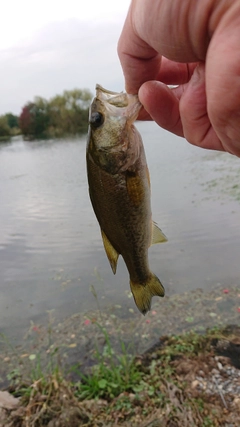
50 46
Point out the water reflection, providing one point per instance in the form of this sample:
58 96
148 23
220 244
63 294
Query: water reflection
50 246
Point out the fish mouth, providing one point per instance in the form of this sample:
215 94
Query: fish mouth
129 103
106 91
118 99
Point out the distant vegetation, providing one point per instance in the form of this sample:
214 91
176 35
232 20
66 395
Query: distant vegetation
63 115
9 126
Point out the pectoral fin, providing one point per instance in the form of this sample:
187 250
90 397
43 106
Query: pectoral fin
157 235
112 254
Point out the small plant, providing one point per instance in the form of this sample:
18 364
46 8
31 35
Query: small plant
188 343
112 375
207 422
14 376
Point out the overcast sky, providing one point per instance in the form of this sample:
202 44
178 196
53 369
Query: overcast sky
49 46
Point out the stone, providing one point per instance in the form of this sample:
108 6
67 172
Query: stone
7 401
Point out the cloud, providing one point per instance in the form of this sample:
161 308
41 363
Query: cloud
62 55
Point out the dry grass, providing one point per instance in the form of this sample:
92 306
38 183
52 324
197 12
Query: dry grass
165 394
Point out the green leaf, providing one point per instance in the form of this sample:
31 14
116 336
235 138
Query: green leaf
138 388
189 319
102 383
113 385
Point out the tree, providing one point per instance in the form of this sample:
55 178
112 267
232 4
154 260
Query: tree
12 120
57 116
34 119
69 112
5 131
63 115
41 117
25 120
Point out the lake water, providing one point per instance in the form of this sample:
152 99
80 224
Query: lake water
50 247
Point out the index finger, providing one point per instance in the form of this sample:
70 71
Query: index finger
140 62
177 30
175 73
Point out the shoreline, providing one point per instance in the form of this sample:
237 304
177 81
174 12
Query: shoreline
76 337
179 369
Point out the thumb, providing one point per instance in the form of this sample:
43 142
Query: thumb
162 105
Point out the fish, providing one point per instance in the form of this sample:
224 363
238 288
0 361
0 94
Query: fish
119 189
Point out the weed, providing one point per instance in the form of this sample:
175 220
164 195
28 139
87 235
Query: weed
188 343
123 403
129 389
207 422
14 376
112 375
93 290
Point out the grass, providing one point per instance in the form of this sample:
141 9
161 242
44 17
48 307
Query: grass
119 389
112 375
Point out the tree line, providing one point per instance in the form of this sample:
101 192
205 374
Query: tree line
61 116
9 126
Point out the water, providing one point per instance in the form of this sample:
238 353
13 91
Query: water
50 246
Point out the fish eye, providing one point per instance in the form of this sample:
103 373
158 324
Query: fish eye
96 120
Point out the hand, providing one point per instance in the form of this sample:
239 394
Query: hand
195 45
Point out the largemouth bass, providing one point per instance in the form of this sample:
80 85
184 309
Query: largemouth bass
119 188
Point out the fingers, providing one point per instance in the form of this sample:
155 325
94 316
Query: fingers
175 73
223 81
162 105
149 33
197 128
172 73
182 110
140 61
205 107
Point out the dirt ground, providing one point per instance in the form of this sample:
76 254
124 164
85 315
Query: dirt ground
188 382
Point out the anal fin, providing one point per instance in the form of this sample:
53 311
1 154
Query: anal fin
112 254
157 235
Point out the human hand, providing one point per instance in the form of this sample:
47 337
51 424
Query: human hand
195 45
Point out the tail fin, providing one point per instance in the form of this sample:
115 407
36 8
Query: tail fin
143 293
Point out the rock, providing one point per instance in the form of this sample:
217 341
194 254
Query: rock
195 383
236 402
7 401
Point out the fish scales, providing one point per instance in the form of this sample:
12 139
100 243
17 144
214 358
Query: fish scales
119 188
107 201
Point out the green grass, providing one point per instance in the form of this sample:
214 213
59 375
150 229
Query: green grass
148 385
111 375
